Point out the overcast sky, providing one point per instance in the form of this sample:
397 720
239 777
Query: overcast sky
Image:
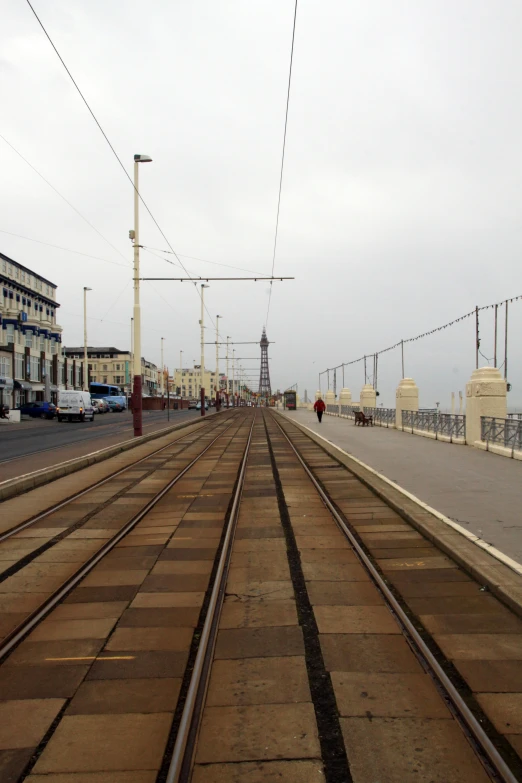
401 194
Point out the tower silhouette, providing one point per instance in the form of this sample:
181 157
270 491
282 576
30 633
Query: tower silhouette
264 375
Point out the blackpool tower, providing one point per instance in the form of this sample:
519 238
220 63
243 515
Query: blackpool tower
264 375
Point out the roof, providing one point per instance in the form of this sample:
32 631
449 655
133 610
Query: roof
93 349
26 268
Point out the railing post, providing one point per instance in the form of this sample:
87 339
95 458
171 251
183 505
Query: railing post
486 395
406 399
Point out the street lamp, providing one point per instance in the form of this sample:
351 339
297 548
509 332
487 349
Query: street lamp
218 393
134 235
202 391
85 365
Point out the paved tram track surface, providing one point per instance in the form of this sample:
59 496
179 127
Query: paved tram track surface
237 633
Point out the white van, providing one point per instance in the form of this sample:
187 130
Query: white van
74 405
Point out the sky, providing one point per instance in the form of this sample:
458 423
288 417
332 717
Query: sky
401 198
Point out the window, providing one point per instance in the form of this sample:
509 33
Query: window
4 267
47 367
53 346
10 333
104 368
22 276
19 365
17 273
5 366
35 368
42 342
28 339
18 297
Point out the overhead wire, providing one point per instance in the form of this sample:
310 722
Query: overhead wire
59 247
62 196
205 261
110 145
282 164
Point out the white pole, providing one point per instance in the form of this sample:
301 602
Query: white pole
233 374
131 363
217 355
181 374
162 369
136 370
85 358
228 377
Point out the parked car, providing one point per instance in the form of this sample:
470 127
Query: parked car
115 406
39 410
198 406
104 405
97 406
74 405
193 404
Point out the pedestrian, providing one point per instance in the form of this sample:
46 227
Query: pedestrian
319 408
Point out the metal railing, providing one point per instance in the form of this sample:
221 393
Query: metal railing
332 408
349 410
515 416
449 424
385 417
506 432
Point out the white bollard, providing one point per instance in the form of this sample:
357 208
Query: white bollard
345 398
406 399
368 397
486 395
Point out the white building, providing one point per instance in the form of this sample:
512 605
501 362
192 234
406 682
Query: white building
30 338
188 381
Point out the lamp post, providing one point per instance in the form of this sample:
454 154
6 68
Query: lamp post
134 235
85 364
234 377
228 376
218 396
202 324
162 379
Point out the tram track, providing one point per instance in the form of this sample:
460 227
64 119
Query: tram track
18 633
333 751
76 496
265 601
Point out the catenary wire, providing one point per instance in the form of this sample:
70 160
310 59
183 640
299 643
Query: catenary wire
61 196
58 247
110 145
282 164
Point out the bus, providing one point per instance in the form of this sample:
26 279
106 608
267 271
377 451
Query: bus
101 390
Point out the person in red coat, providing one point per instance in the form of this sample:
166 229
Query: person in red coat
319 408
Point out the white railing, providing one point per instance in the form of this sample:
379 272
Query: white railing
449 425
504 432
384 417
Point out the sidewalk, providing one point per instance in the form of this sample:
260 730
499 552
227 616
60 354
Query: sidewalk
480 491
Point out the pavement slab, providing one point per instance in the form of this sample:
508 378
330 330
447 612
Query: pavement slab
379 695
125 696
131 741
24 722
258 732
258 681
411 750
259 772
368 653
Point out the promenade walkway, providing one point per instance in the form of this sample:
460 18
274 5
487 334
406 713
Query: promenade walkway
479 490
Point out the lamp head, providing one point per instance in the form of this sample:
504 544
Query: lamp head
142 159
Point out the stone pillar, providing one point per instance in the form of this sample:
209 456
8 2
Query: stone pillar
345 398
318 395
486 395
329 398
406 399
368 397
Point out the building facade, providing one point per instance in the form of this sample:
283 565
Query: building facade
30 339
114 366
188 381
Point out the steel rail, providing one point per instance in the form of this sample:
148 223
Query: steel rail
28 522
38 615
461 711
181 763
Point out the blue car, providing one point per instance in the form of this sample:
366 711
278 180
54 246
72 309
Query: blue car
39 410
